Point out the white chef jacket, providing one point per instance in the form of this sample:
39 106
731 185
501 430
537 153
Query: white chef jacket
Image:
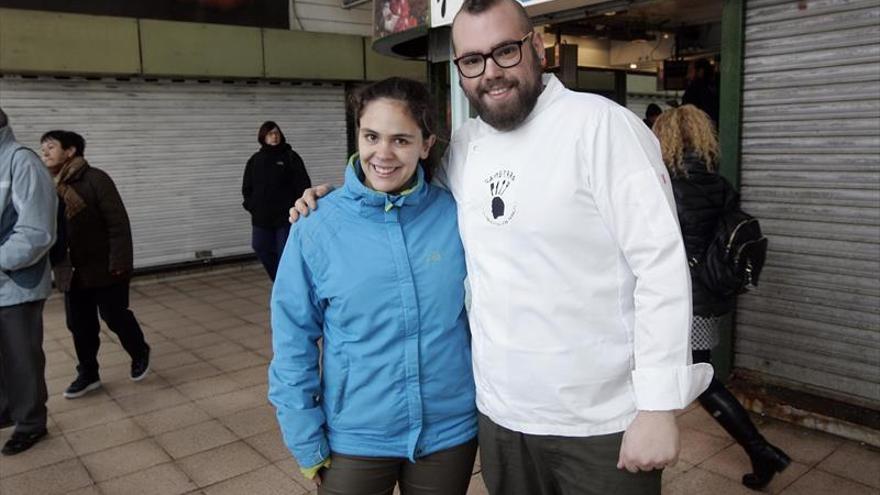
580 288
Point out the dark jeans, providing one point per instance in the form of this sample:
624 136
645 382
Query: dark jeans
447 472
519 464
22 366
83 306
269 245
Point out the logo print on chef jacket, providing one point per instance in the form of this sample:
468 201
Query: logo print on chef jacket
497 211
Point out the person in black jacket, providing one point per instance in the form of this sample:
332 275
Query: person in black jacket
702 90
690 151
274 178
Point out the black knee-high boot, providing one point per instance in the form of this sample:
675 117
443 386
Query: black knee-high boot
767 460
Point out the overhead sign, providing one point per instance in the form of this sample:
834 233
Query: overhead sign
442 11
258 13
397 16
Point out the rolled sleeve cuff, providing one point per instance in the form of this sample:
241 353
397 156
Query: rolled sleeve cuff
309 473
668 389
314 456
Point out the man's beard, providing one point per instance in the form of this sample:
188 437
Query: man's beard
509 117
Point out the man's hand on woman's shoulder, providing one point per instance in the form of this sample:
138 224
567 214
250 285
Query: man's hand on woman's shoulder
308 201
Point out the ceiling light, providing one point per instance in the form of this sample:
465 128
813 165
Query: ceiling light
633 66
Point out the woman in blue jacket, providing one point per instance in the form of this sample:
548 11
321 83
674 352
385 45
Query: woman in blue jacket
377 274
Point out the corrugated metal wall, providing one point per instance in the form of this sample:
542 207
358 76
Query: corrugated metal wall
177 150
811 173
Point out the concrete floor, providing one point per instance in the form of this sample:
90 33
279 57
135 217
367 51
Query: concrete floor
200 423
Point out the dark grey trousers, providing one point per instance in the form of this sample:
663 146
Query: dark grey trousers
518 464
22 366
447 472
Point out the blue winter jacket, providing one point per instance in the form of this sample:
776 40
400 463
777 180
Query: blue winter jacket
381 279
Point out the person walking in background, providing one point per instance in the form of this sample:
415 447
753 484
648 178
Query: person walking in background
27 231
651 113
690 152
702 90
378 274
274 178
93 260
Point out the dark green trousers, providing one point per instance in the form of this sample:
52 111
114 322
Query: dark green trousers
447 472
514 463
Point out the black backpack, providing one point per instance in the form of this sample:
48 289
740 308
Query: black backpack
734 257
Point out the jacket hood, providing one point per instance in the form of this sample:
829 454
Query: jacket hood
6 135
371 199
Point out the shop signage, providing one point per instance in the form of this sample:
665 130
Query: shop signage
396 16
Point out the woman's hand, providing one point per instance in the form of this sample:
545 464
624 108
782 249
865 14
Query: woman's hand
314 473
308 201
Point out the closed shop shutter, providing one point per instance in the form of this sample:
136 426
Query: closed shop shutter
811 173
177 149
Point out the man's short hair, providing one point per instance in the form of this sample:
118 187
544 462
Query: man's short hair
67 139
475 7
653 110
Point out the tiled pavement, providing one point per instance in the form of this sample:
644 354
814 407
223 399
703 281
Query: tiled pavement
200 423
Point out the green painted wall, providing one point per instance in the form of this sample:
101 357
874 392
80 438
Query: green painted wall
303 55
171 48
729 131
730 117
381 66
35 42
40 42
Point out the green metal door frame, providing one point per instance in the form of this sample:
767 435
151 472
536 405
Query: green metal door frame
731 88
729 130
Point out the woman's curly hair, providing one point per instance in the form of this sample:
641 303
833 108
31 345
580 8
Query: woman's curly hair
686 129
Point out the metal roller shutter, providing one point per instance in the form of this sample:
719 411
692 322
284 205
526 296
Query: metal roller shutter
811 173
177 149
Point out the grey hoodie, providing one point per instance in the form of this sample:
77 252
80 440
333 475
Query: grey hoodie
28 204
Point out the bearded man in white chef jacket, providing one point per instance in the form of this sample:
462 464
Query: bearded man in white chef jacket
580 287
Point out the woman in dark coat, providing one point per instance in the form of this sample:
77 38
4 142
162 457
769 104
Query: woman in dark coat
274 178
92 259
690 152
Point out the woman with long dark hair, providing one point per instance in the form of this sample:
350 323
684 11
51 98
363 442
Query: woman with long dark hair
377 275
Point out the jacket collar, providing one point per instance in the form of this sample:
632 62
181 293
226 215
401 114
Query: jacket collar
372 200
694 164
552 89
275 149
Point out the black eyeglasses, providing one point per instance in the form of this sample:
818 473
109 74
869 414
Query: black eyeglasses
505 56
